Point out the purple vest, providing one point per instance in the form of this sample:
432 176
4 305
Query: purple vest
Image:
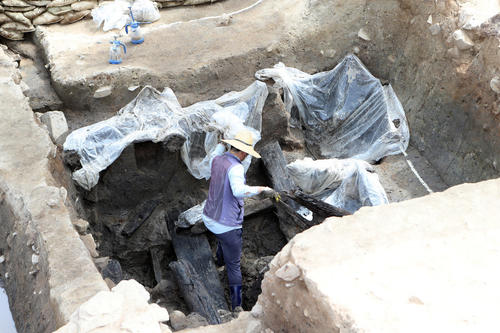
222 206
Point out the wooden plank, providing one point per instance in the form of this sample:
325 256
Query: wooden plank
156 257
194 292
290 222
195 249
275 164
143 213
318 207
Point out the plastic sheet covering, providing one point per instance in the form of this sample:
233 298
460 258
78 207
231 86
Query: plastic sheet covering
346 112
116 14
345 183
158 117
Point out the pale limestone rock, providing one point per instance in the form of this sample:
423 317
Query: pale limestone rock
429 19
109 283
495 84
123 309
397 274
81 226
454 52
56 124
35 259
224 20
178 320
2 259
363 34
133 291
288 272
462 41
254 326
103 309
144 320
103 92
330 53
257 311
165 329
435 29
89 242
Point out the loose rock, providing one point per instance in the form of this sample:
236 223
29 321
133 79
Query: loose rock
288 272
454 52
103 92
363 34
462 41
178 320
81 226
56 124
495 84
435 29
89 242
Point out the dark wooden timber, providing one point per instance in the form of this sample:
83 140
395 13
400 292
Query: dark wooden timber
275 164
194 292
291 199
156 257
138 219
317 206
195 249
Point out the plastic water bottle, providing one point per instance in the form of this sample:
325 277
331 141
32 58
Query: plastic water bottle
115 51
136 36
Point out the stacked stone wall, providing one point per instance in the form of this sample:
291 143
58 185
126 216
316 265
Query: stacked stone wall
18 17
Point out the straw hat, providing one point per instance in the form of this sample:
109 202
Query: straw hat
243 141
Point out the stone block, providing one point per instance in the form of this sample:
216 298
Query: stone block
56 124
81 226
89 242
363 34
462 40
178 320
103 92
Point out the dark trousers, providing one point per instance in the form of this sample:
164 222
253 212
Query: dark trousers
229 251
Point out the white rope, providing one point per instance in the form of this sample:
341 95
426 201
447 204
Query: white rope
410 164
163 26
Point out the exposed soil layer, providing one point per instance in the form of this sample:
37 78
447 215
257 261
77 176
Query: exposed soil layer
449 95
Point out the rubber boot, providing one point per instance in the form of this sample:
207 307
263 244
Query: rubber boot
235 292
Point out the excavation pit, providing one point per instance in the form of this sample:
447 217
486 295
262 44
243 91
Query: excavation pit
449 94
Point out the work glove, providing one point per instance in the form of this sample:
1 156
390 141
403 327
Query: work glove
268 192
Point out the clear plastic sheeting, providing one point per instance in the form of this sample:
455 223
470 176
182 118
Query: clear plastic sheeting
116 14
158 117
344 183
346 112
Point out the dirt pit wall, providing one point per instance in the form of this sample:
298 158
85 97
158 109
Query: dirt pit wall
449 94
443 68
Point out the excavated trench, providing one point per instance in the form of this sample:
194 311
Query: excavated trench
147 180
150 183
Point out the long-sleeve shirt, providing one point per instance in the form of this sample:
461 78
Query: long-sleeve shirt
236 177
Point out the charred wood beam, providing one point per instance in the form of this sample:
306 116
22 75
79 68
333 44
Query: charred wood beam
275 164
156 257
193 290
196 250
144 211
318 207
